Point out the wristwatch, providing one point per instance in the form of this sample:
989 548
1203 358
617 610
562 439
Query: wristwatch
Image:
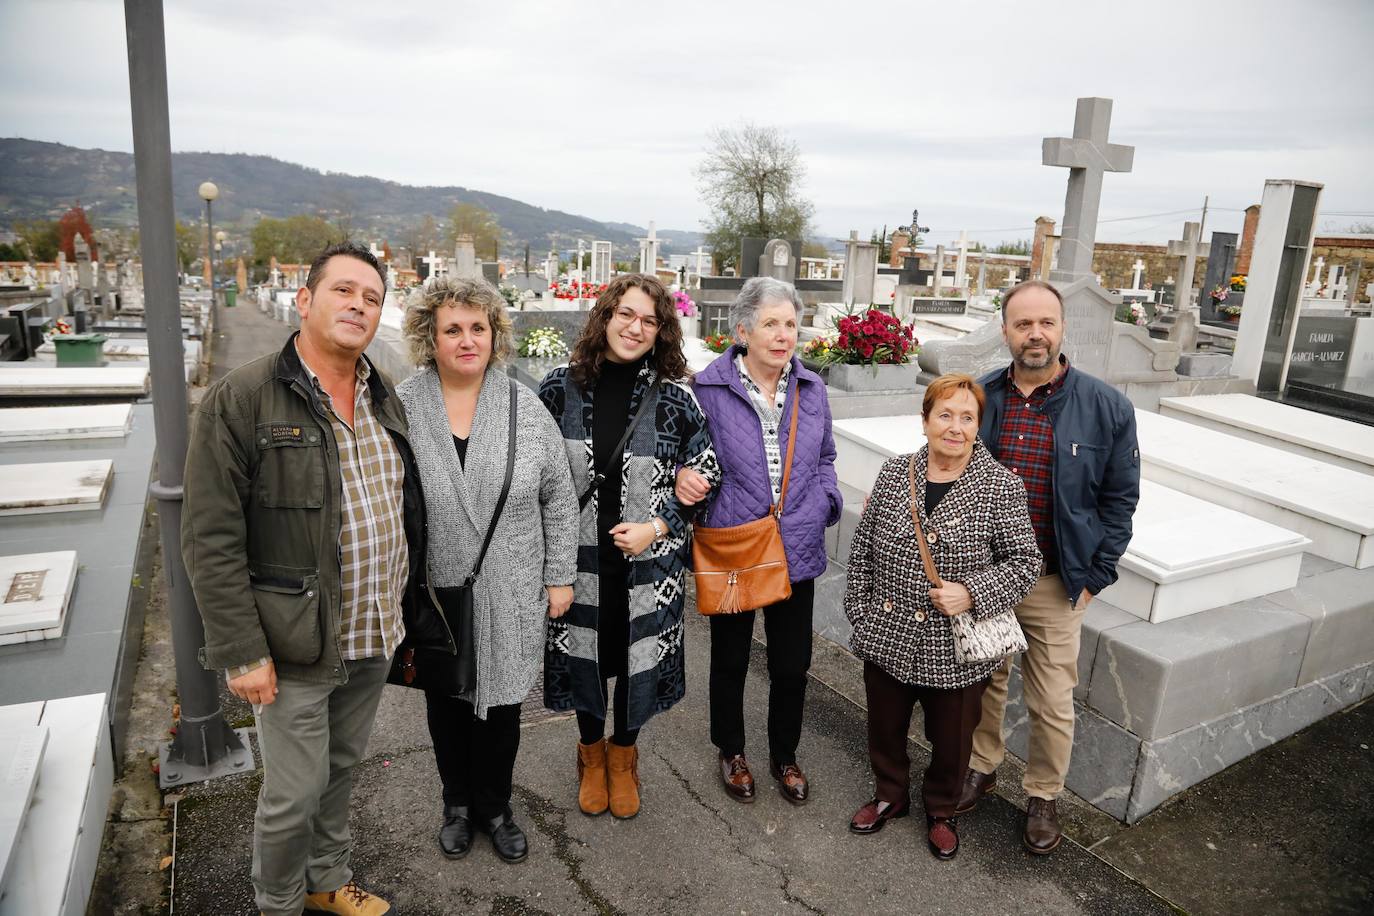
658 529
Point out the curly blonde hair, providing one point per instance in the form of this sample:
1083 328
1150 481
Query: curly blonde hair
419 325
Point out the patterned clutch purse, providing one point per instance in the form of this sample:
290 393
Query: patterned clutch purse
975 641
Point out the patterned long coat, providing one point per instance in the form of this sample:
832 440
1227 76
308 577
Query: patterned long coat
672 434
980 536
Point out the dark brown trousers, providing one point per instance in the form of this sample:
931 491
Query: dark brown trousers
951 716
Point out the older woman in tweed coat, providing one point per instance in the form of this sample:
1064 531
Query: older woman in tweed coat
973 512
458 407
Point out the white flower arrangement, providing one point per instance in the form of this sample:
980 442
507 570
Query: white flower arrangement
544 343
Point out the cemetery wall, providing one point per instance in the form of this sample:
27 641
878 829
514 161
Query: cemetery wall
1113 261
1344 251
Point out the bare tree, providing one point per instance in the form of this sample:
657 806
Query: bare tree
751 179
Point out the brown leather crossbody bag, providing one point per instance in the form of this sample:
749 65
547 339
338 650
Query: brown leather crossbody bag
744 567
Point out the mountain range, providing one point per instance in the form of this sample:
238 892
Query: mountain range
41 180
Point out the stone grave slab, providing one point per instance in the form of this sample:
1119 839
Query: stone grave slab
54 861
1302 432
21 758
108 381
35 590
1334 506
82 421
63 486
1188 555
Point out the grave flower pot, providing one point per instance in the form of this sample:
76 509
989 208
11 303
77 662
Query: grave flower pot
873 378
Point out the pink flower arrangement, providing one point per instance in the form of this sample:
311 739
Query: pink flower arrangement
576 290
686 308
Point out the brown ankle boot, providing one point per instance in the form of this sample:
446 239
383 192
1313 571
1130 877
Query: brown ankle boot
623 763
591 778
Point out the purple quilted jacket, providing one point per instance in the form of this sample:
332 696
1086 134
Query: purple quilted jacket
813 500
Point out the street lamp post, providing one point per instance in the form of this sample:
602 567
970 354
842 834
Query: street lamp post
204 745
208 192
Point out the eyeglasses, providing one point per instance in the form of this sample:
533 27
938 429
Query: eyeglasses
628 316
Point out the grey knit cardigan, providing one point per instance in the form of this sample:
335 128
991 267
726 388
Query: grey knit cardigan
535 543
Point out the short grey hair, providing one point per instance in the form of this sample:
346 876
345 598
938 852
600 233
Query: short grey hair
419 326
758 291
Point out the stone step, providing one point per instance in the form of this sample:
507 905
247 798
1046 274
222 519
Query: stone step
1283 426
36 590
1187 555
62 486
55 855
83 421
1334 506
130 381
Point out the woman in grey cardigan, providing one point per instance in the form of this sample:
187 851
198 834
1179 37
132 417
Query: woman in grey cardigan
973 512
458 406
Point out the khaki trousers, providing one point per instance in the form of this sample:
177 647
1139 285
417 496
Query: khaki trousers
311 738
1049 673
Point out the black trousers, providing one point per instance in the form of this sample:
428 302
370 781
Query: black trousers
591 729
476 758
787 626
951 716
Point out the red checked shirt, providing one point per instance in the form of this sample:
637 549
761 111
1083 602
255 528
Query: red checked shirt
1026 446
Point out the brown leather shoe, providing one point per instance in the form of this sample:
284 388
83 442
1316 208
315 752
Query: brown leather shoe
976 785
739 782
1043 833
349 900
942 836
873 816
592 791
791 781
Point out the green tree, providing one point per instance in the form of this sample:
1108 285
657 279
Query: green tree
750 181
481 224
420 238
1019 246
188 244
10 252
294 240
40 237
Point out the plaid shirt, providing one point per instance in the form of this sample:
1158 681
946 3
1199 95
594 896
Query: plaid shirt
770 418
373 562
1026 447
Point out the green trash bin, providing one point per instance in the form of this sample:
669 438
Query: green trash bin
231 295
79 349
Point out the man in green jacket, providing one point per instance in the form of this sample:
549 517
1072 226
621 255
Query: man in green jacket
302 522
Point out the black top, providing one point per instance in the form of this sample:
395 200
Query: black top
934 492
461 445
610 414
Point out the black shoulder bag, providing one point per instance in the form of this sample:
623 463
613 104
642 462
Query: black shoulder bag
432 668
599 476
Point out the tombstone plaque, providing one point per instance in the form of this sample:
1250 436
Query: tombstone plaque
777 261
1221 263
1321 351
35 590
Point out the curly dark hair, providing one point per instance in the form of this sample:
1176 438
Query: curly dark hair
589 353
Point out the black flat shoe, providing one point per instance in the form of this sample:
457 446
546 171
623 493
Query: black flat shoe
455 837
506 838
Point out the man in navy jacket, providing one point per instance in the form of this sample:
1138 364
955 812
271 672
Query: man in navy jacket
1071 439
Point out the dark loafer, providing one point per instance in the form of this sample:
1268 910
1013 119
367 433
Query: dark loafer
506 838
1043 833
791 781
976 785
455 837
735 775
943 837
873 816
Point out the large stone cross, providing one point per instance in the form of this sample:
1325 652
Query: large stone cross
701 257
1137 270
1087 155
1187 250
432 262
648 251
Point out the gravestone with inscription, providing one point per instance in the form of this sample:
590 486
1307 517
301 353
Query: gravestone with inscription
1221 264
860 271
777 261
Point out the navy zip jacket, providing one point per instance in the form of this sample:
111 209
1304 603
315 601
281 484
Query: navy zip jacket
1096 473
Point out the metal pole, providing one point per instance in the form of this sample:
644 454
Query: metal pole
210 253
204 745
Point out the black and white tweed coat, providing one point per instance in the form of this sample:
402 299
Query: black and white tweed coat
982 539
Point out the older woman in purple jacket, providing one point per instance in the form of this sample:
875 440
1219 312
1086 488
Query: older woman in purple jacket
747 396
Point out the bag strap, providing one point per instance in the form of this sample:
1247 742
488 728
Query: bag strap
927 560
599 476
776 511
505 487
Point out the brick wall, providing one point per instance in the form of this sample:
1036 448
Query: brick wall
1247 240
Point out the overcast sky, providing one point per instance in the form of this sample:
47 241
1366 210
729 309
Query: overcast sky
602 108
